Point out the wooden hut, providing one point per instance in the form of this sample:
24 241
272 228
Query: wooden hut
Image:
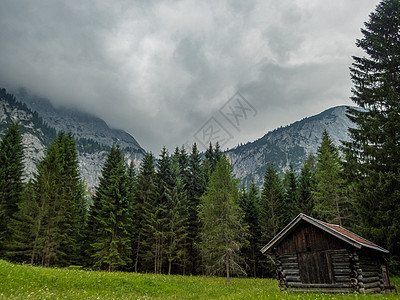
311 255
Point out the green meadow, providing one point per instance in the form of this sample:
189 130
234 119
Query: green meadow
26 282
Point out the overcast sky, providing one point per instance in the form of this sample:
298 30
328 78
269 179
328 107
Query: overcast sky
164 71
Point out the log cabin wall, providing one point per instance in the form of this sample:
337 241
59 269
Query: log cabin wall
311 259
370 276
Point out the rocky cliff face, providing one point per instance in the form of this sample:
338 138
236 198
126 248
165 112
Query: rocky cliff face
40 121
32 129
81 125
288 145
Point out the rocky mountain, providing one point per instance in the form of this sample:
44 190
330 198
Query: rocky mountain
81 125
40 121
288 145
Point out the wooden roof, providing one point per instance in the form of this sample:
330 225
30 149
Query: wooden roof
336 230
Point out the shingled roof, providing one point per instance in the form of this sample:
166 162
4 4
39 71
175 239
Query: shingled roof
336 230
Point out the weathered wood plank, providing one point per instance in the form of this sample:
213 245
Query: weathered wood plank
339 251
340 259
373 290
371 279
342 278
340 264
290 265
341 271
370 274
372 284
319 285
330 290
291 278
288 255
291 272
371 269
289 260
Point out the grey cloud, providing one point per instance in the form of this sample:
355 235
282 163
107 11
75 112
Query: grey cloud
160 69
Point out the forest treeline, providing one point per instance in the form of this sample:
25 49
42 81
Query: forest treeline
188 215
183 215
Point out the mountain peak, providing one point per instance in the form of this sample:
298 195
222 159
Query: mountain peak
289 145
80 124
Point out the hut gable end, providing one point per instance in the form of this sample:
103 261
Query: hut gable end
308 238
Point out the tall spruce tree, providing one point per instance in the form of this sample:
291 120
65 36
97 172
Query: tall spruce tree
250 206
271 204
223 232
53 213
306 186
195 188
178 221
271 212
157 216
11 184
374 149
291 206
111 217
330 198
23 227
145 197
133 231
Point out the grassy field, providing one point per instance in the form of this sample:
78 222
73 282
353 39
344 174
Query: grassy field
24 282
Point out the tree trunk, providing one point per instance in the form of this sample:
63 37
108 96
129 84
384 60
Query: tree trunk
227 271
137 253
254 263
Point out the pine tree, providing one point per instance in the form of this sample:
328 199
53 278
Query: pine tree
212 156
223 232
291 207
183 159
74 201
330 201
271 204
133 230
306 186
48 227
157 215
374 149
271 212
22 237
11 185
145 197
250 206
111 216
195 188
178 220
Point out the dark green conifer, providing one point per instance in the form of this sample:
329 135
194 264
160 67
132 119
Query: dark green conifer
330 201
178 221
111 218
374 149
306 186
145 197
52 215
11 184
290 206
195 188
271 211
250 206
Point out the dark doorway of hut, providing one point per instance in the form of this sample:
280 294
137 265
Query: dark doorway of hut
315 267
